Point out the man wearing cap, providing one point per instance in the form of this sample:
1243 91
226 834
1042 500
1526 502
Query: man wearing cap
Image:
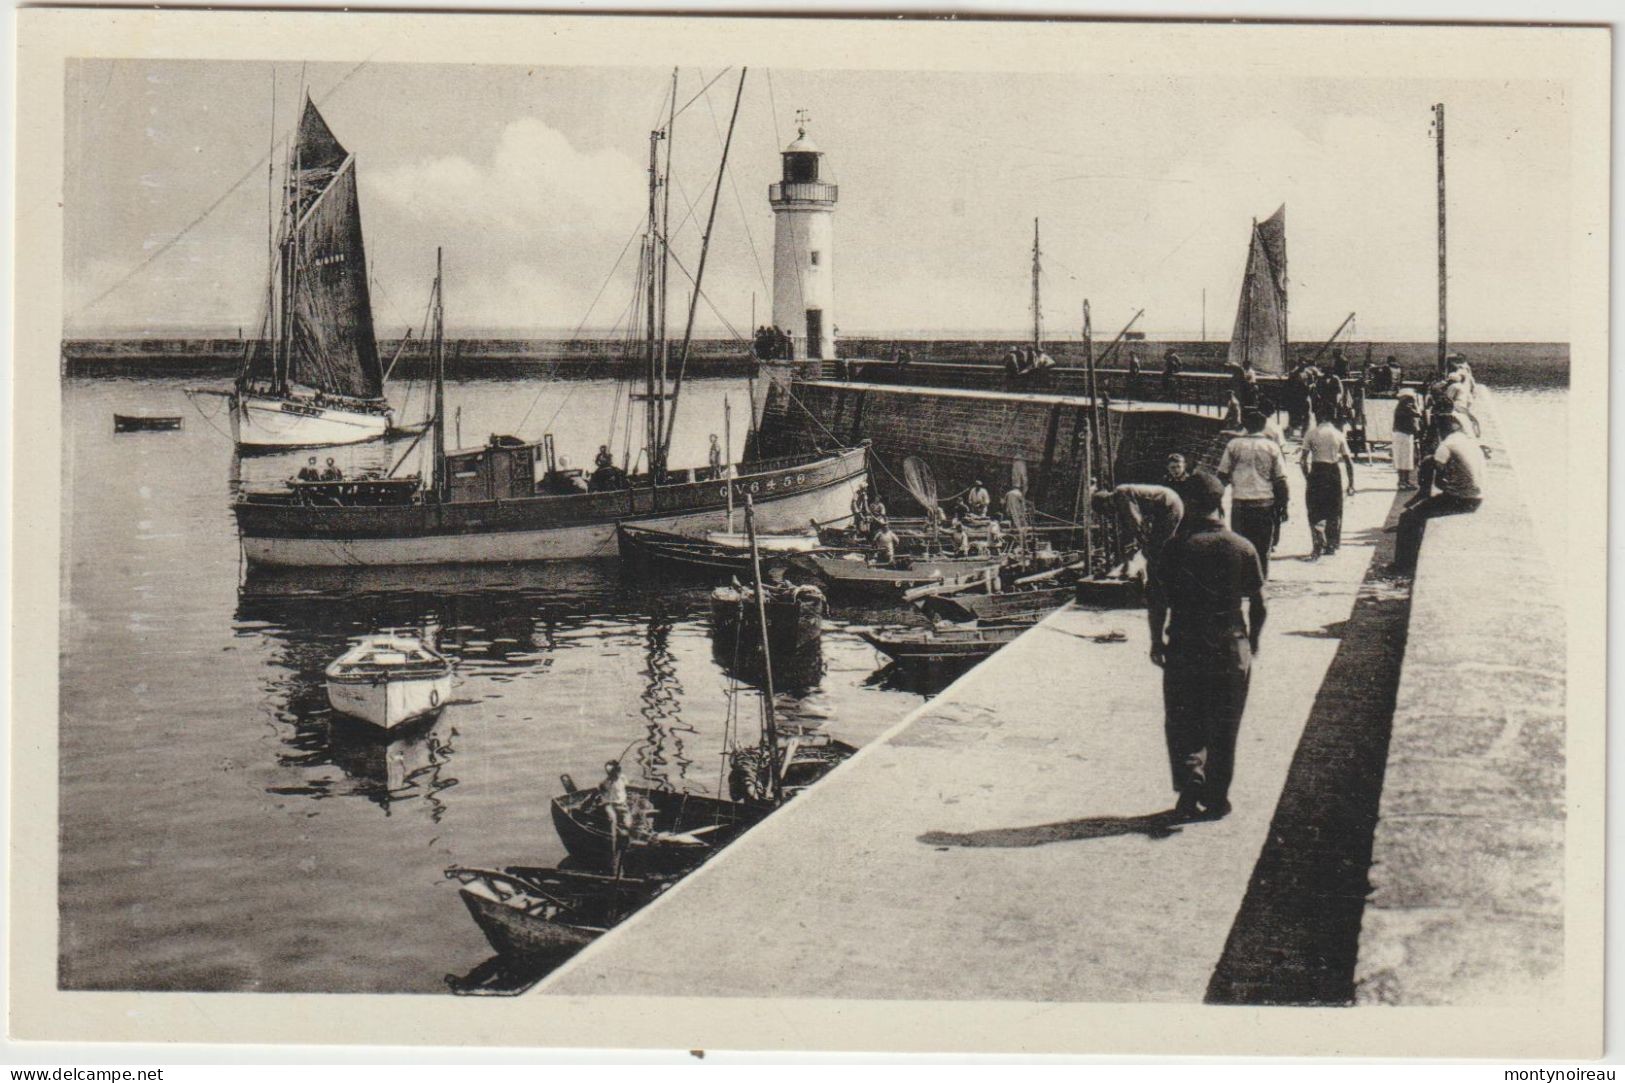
1206 659
1254 469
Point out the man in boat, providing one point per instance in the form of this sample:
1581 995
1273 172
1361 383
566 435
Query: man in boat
978 498
885 544
308 472
1206 659
1015 510
961 537
332 473
715 454
612 796
1253 468
604 458
1151 513
995 536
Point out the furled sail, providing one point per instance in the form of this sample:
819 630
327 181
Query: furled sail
331 345
1260 332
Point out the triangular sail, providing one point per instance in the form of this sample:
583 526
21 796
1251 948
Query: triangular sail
331 345
1260 333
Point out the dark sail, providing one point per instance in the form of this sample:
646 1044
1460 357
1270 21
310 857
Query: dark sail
1260 333
331 346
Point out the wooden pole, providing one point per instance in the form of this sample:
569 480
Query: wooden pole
1444 327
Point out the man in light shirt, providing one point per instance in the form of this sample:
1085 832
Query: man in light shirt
1457 468
1323 449
1254 469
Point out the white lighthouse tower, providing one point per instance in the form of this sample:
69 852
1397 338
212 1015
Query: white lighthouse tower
804 249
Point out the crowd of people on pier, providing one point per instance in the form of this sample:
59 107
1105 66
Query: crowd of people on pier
1205 572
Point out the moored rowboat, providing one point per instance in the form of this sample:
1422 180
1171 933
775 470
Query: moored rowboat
389 679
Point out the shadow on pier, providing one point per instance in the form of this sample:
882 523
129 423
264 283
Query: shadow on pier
1296 937
1157 825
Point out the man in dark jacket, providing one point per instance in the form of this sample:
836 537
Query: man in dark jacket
1206 659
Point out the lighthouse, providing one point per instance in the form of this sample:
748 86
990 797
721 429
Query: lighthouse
804 249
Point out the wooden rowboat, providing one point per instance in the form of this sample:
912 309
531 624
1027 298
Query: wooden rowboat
646 549
143 423
853 575
539 917
671 831
942 647
1009 607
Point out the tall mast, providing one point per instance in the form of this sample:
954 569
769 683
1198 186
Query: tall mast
1038 310
699 272
770 726
439 380
651 304
1247 298
290 259
1444 329
665 269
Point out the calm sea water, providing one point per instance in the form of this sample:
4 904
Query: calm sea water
222 830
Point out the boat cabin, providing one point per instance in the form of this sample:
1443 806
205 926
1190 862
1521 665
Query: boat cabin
504 469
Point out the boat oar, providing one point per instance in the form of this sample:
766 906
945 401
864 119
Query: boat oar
1039 577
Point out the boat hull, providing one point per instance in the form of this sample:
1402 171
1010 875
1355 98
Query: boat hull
534 941
578 527
265 421
388 704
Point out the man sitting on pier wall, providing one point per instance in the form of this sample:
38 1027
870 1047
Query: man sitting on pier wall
1457 466
1207 657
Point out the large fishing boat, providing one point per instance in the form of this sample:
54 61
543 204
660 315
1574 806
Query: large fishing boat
511 501
313 377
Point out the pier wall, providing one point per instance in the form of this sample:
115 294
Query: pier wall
968 435
1467 886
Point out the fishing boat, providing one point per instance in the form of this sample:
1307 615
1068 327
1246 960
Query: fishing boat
803 759
671 832
389 679
539 917
144 423
1005 607
313 377
645 548
941 646
795 620
507 502
851 574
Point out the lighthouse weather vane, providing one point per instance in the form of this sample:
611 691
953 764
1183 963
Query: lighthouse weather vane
803 118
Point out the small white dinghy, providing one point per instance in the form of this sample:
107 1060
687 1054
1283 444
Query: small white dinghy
389 679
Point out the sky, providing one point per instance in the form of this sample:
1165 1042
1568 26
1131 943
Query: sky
533 181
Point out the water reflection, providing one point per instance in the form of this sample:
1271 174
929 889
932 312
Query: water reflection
662 756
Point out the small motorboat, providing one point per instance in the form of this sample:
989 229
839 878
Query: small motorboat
852 574
539 917
670 833
389 679
145 423
1006 607
942 646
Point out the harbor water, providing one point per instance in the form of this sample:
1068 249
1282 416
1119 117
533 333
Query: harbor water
221 829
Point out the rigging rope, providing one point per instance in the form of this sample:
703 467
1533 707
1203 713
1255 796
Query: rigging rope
194 223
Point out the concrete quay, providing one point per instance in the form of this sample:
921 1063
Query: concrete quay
1396 839
1003 842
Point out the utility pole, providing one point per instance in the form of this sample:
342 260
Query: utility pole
1038 311
1444 327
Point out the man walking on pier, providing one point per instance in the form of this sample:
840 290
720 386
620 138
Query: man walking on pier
1323 449
1254 469
1207 657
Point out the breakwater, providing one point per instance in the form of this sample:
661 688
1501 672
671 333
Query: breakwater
487 358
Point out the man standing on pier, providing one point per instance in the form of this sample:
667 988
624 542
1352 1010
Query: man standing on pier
1206 660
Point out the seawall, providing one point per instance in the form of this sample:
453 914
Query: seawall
989 435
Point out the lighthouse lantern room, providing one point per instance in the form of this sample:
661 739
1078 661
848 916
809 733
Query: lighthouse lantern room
803 250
